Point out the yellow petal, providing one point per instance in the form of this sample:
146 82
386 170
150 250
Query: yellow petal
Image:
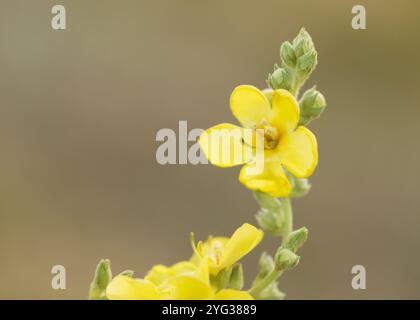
299 152
202 271
243 240
223 145
126 288
271 180
160 273
250 106
285 111
230 294
186 288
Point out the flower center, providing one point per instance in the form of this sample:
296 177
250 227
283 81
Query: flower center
216 251
271 135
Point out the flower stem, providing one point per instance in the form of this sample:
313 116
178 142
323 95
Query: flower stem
288 219
295 84
287 229
264 283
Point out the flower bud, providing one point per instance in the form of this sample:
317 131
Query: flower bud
270 216
268 221
296 239
300 187
279 79
287 54
307 63
303 43
272 292
265 266
100 281
312 105
236 280
286 259
266 263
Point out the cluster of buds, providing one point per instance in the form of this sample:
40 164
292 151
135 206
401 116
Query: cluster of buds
272 217
299 59
286 257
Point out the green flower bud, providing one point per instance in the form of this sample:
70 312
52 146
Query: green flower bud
286 259
307 63
300 187
266 263
312 105
270 216
272 292
265 266
266 201
269 221
287 54
303 43
236 280
100 281
296 239
279 79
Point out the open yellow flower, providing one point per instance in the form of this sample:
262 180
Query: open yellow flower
285 143
221 252
182 281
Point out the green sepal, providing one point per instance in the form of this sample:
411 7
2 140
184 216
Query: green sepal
236 280
103 276
296 239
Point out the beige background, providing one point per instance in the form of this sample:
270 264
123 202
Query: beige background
80 110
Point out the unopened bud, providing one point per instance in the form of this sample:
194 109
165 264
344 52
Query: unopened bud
303 43
101 280
269 221
270 216
300 187
279 79
265 266
296 239
312 105
307 63
287 54
271 293
286 259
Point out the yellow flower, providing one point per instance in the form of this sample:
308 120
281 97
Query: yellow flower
182 281
285 143
223 252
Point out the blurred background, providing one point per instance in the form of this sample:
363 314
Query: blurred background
80 109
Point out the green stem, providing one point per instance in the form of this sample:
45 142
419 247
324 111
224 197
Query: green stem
264 283
295 83
288 219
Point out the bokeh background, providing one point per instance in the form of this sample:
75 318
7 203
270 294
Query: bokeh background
80 109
